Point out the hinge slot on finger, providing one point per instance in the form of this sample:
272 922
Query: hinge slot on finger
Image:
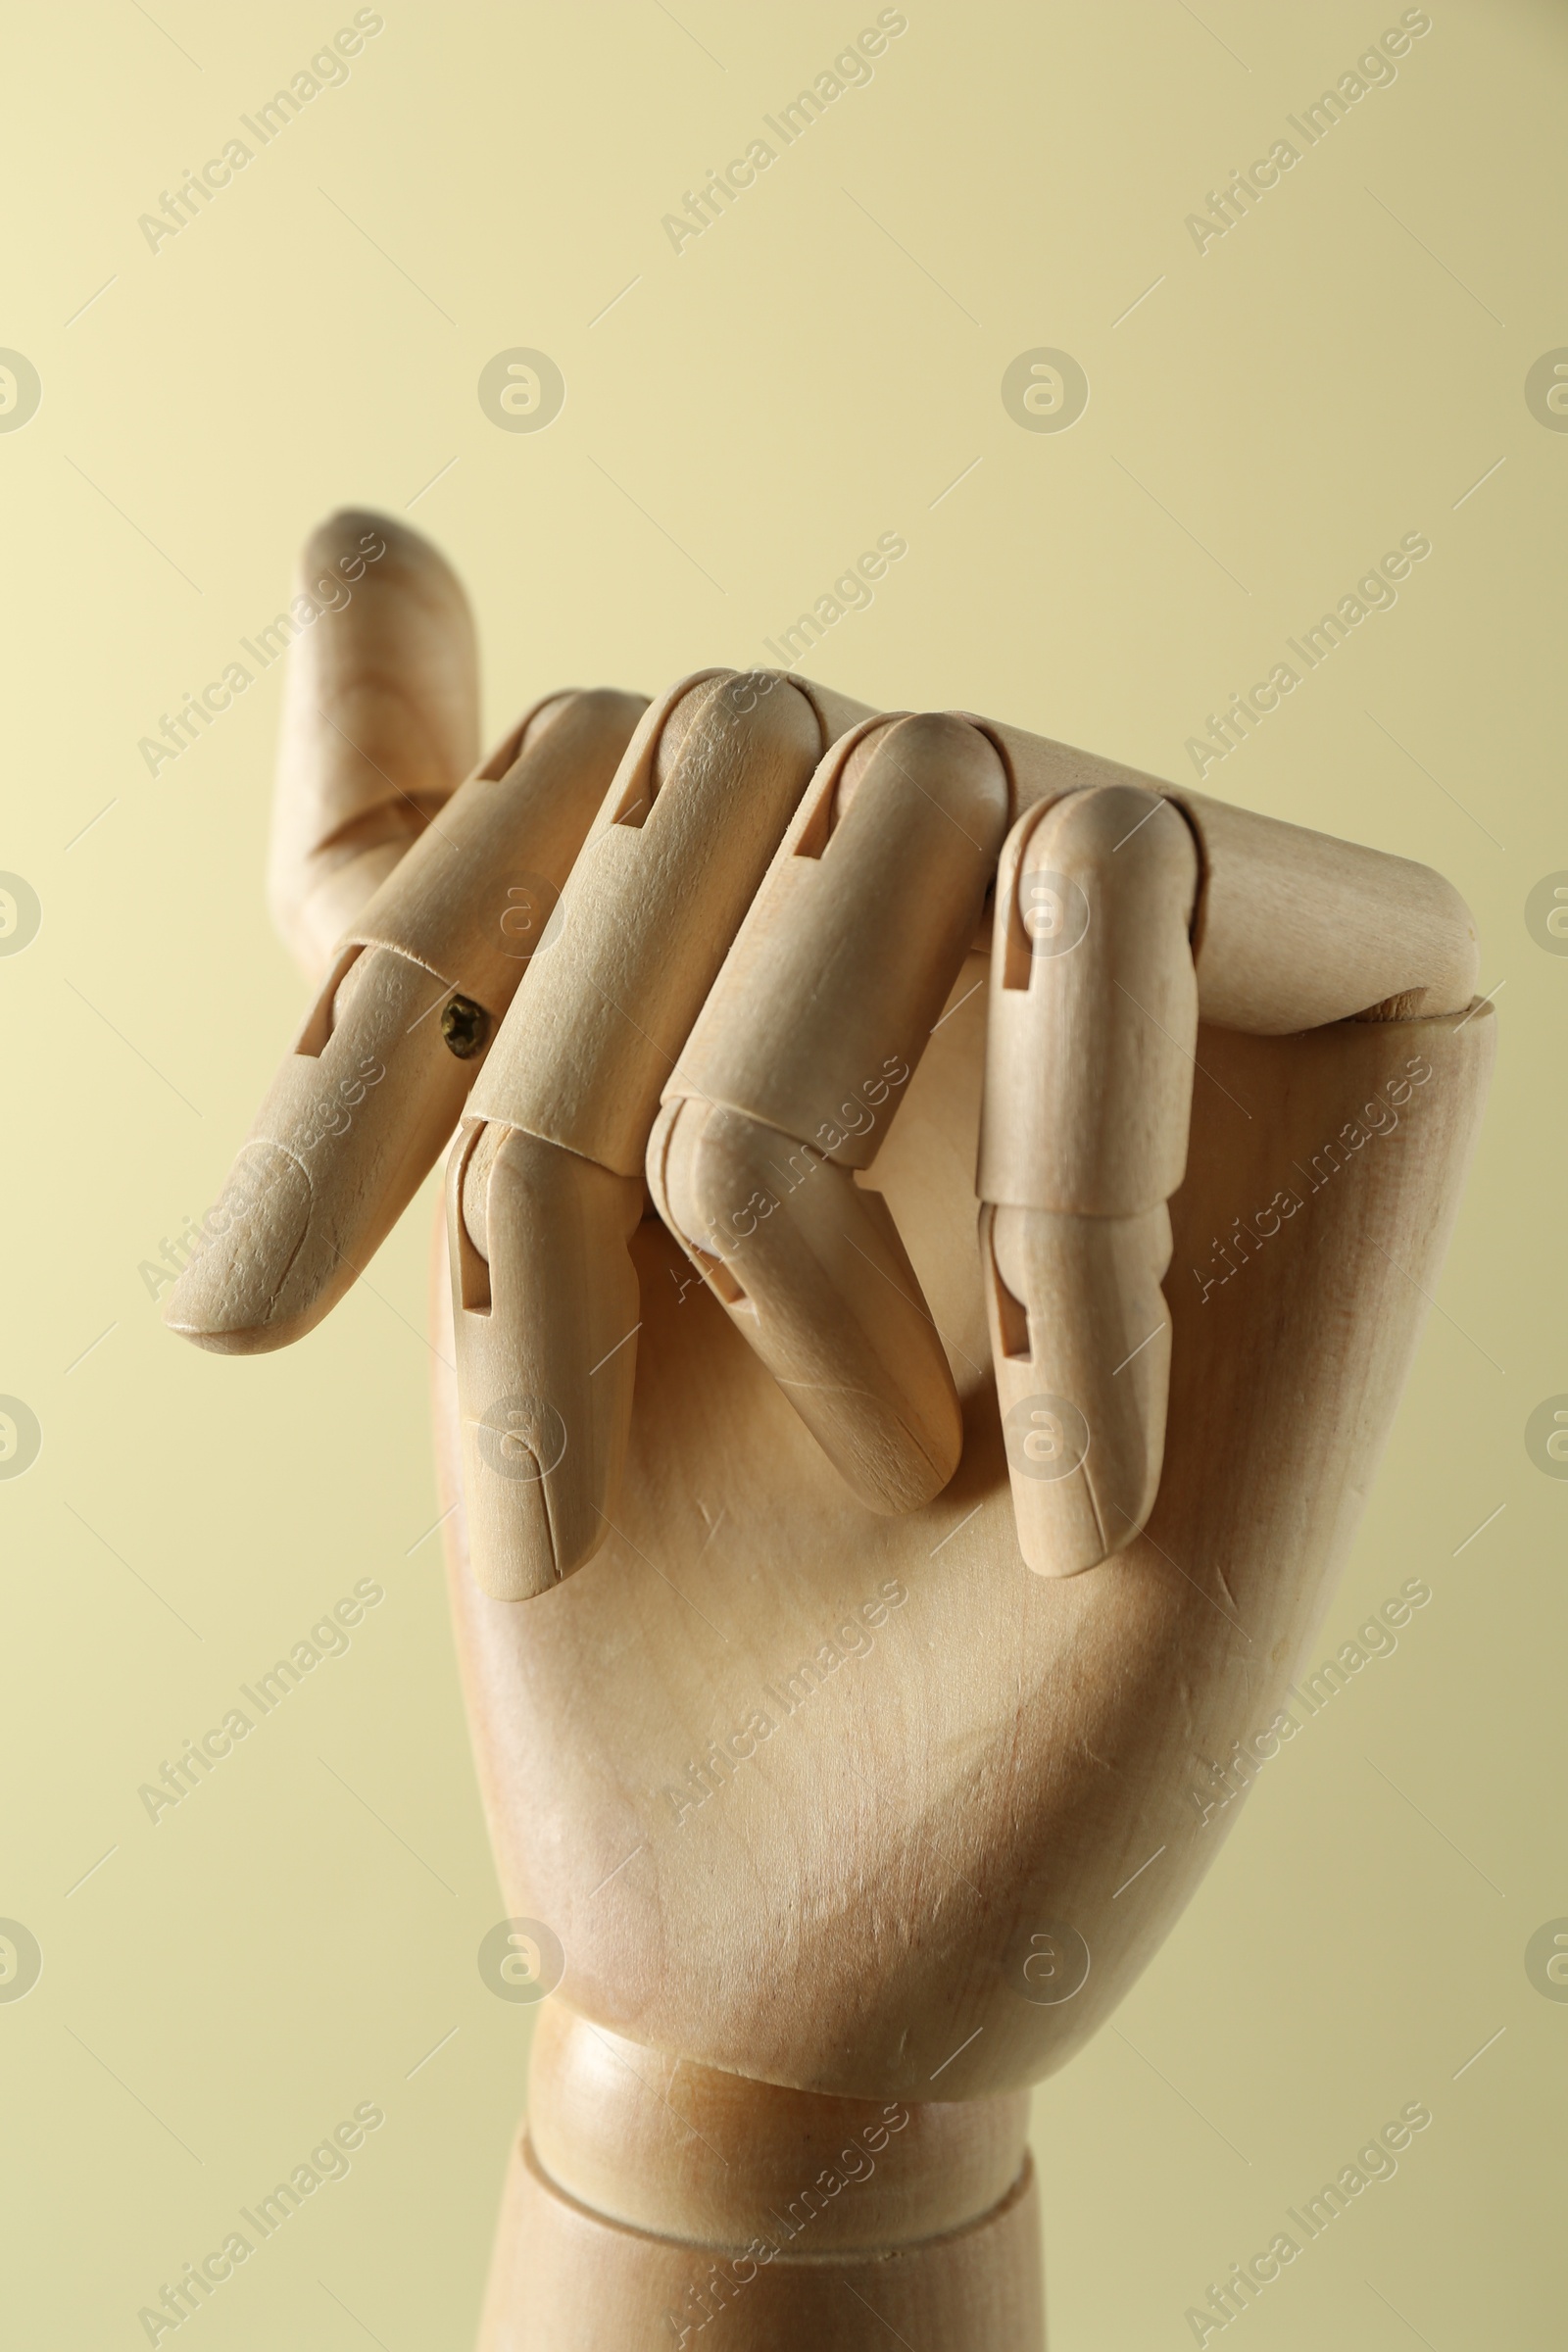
1012 1316
313 1037
472 1269
720 1281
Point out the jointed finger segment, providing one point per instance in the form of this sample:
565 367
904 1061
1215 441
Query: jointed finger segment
827 1001
1298 929
546 1416
1094 1014
380 720
811 1269
377 1078
679 846
544 1202
471 899
703 943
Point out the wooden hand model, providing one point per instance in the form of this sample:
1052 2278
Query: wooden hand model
849 1826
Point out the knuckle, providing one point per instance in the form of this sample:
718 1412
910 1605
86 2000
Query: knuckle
604 705
1116 838
593 712
931 742
736 713
1091 825
930 756
717 1175
346 530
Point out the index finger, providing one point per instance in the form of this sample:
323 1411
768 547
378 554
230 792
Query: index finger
379 1075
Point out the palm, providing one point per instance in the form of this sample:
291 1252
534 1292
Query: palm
994 1759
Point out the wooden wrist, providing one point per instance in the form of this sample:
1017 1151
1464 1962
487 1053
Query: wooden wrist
655 2201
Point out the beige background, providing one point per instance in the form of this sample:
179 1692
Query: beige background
818 369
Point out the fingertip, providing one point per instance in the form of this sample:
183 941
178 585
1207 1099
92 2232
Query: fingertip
893 1461
534 1512
1081 1343
363 534
511 1545
227 1296
545 1330
810 1268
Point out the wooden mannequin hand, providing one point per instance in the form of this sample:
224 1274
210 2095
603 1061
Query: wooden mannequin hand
804 1773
